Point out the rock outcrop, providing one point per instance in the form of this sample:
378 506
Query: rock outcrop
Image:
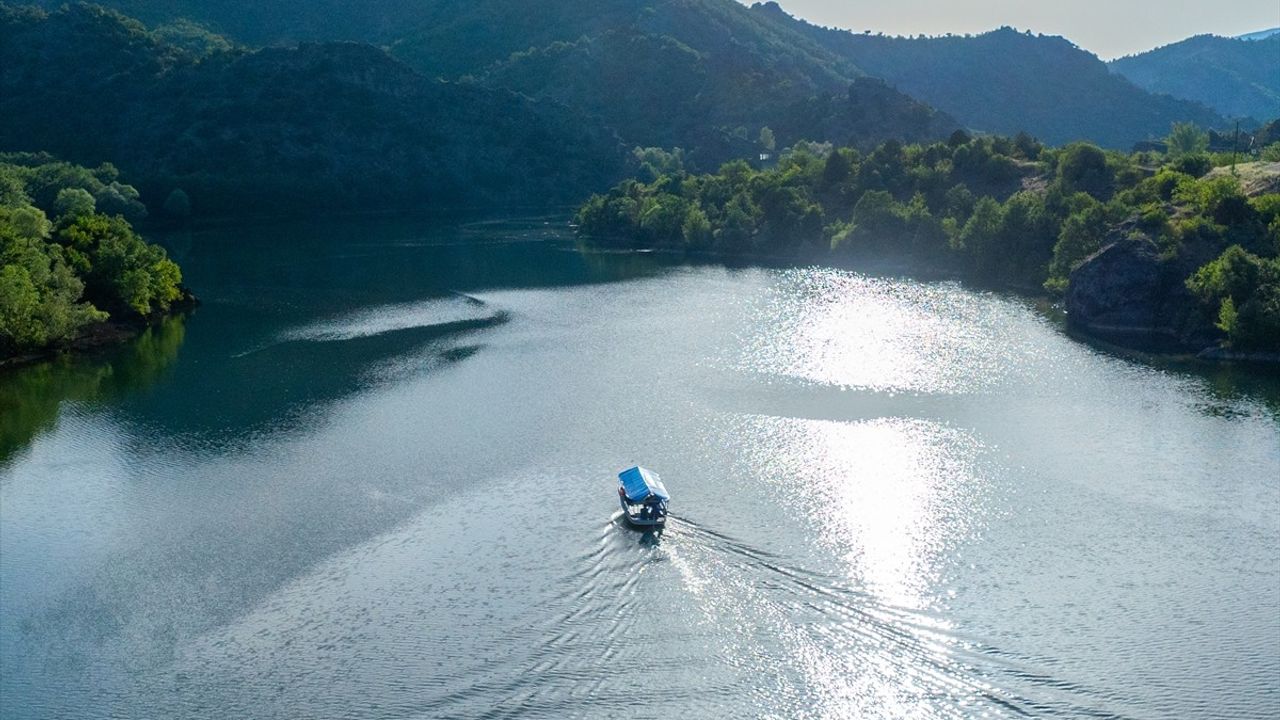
1128 294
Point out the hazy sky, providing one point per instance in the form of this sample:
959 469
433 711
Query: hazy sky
1109 28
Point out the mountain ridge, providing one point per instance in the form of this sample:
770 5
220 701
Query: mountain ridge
1237 77
1259 35
747 52
1006 81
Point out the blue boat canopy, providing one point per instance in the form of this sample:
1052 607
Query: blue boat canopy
639 483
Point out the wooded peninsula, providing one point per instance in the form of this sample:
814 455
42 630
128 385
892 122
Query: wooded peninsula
1173 250
72 269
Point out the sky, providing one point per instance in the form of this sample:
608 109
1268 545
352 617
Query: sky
1108 28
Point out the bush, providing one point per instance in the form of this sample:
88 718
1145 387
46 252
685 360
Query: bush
1083 167
1196 164
1244 290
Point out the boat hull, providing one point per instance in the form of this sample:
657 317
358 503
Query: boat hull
637 520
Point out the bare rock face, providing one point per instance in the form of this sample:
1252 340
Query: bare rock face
1117 290
1126 294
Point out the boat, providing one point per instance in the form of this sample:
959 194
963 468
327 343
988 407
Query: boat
643 496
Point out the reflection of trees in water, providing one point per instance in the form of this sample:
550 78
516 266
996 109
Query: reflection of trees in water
1229 384
30 397
606 266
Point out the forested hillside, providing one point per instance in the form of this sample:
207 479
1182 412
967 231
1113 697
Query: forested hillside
706 75
655 90
696 72
1238 78
334 126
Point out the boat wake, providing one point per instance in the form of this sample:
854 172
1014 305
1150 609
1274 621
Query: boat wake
802 643
455 310
424 319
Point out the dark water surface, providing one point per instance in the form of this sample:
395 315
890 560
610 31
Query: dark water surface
373 477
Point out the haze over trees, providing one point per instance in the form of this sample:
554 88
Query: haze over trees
1236 77
1007 81
694 73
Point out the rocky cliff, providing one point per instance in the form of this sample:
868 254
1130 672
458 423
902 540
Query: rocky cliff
1128 294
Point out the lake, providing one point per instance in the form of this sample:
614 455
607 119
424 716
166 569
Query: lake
374 475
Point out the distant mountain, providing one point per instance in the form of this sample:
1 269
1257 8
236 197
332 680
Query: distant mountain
332 126
714 96
1260 35
1006 81
702 74
708 75
1237 77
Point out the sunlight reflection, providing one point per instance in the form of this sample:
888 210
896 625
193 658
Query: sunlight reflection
888 501
840 328
890 497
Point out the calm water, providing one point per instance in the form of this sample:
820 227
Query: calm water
373 477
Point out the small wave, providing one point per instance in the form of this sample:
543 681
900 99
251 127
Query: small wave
827 621
390 318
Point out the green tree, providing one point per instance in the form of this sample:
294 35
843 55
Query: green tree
1028 147
1013 242
1244 290
40 296
19 304
978 236
738 228
696 229
29 223
178 204
1193 164
837 168
1186 139
878 223
54 278
767 141
1082 167
662 219
658 162
73 202
1080 237
121 270
13 191
959 202
119 199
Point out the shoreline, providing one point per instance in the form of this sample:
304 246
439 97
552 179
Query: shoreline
1216 355
99 337
224 221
